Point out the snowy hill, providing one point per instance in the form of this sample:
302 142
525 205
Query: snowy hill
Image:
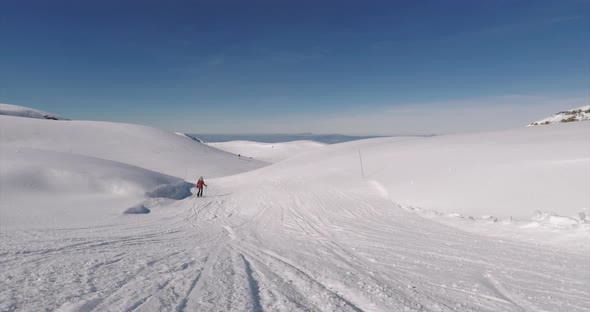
269 152
576 114
87 168
505 173
389 224
20 111
136 145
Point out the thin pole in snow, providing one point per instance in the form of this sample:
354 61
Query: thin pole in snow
361 162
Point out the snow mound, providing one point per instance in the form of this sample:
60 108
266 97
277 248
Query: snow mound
47 189
36 171
556 220
136 145
269 152
576 114
137 209
21 111
179 190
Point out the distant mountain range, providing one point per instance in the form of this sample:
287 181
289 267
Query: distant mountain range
576 114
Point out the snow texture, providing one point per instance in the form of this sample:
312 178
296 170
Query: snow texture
474 222
576 114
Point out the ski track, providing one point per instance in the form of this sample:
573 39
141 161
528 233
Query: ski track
281 247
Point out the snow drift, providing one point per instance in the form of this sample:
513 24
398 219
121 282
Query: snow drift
53 189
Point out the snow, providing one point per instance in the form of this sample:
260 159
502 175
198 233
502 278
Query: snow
269 152
505 173
54 189
141 146
576 114
21 111
472 222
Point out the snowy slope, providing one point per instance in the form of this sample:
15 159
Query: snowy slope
269 152
52 189
20 111
309 233
576 114
136 145
504 173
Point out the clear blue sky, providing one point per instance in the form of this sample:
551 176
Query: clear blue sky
293 66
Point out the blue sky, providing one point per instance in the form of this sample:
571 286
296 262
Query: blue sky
297 66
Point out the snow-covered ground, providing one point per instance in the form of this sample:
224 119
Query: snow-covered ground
310 233
269 152
576 114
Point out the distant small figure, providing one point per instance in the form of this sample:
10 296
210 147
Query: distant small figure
200 185
239 155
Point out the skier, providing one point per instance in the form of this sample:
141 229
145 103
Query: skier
200 184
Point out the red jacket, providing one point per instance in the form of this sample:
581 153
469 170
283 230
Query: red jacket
200 184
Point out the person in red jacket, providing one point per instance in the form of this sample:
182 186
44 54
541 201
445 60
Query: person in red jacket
200 185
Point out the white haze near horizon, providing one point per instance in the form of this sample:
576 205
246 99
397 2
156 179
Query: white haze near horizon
460 116
441 117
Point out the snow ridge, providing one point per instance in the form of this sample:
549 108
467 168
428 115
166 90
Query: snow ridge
21 111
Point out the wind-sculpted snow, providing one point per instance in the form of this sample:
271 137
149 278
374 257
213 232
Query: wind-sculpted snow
52 189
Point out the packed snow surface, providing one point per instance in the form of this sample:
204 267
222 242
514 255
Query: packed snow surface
269 152
576 114
313 232
20 111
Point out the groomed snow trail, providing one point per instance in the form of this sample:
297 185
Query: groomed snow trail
284 246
